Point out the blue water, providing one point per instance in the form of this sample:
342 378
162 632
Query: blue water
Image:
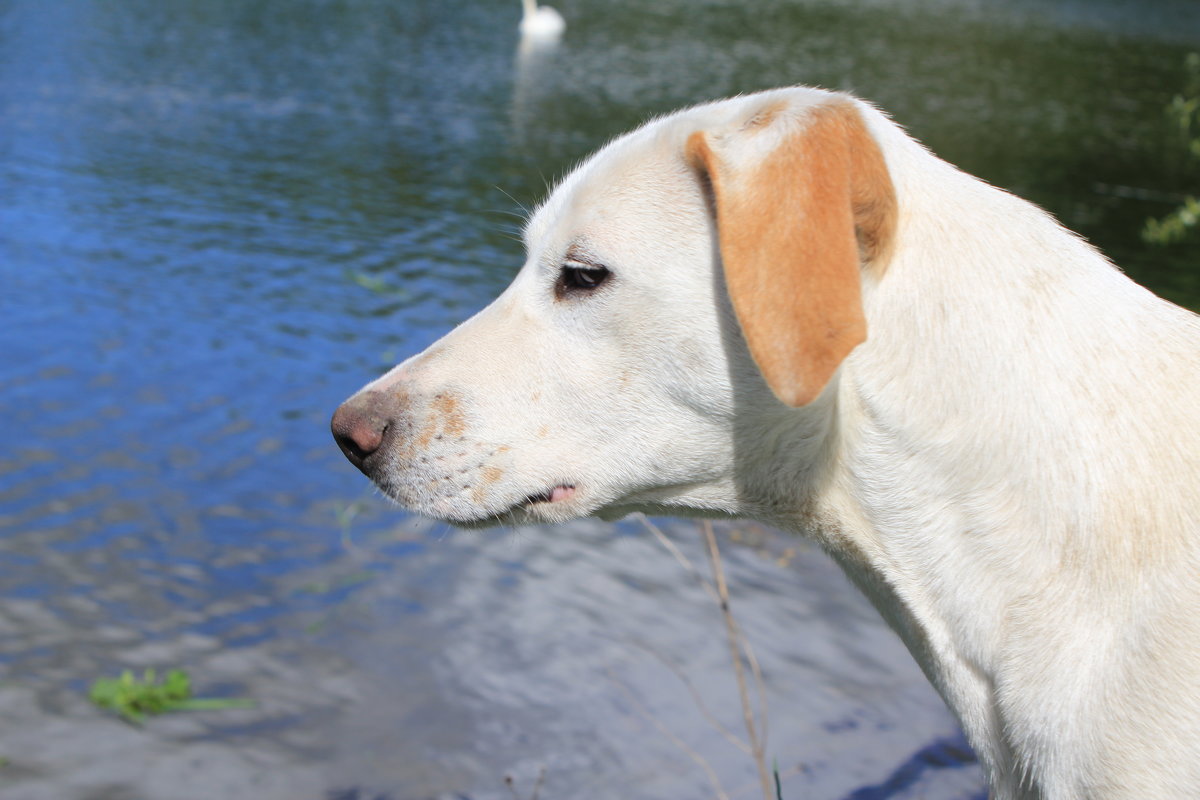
218 219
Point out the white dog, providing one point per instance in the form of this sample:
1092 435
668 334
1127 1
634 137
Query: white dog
782 307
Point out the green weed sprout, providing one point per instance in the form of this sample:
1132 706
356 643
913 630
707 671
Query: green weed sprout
1184 110
135 699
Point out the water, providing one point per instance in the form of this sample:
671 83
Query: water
218 219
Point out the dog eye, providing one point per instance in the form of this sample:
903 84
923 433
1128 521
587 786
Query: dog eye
573 279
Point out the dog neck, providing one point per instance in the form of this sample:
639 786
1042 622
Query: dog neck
980 489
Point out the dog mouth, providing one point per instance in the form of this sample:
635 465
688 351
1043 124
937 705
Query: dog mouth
533 508
558 494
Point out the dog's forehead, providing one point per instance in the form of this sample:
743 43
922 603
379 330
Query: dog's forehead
638 175
646 172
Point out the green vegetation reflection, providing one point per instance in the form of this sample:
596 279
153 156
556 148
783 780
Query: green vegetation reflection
135 699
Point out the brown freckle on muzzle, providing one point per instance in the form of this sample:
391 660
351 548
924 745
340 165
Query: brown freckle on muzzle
487 477
447 407
445 419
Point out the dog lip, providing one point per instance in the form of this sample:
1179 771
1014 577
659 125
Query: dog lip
544 497
519 513
557 494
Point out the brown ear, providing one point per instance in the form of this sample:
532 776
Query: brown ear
795 225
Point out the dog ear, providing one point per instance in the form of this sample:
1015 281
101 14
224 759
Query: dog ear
802 201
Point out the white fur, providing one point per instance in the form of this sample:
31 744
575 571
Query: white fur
1009 466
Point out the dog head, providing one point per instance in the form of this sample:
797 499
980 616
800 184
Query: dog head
689 294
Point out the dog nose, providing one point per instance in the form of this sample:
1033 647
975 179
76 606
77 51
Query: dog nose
359 425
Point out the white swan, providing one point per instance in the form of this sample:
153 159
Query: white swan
541 21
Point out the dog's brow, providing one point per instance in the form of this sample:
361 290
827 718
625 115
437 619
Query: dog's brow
578 254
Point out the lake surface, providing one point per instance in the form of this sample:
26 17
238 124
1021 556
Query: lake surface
218 219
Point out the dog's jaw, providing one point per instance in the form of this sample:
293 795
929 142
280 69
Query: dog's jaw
475 484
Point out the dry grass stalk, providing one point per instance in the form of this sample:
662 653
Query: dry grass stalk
735 651
537 786
739 646
697 698
646 714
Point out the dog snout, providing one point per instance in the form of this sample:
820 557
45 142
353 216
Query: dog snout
360 424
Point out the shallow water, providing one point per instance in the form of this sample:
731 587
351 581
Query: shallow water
218 219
